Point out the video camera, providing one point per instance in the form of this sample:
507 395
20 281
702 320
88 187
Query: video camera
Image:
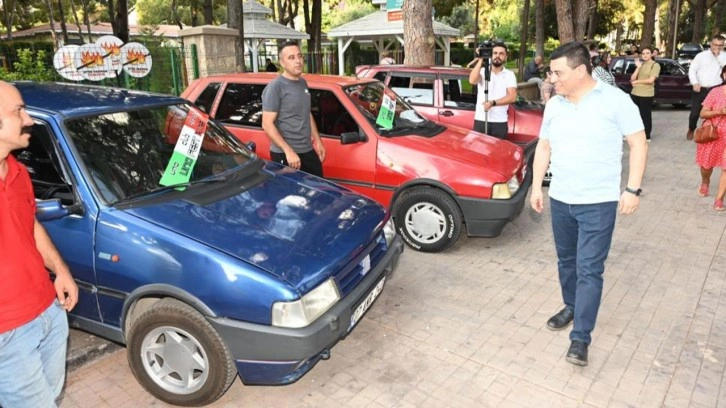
484 50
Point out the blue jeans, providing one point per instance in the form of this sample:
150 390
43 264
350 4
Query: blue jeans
583 233
33 360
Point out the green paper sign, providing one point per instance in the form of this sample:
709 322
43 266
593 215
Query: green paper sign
387 112
186 150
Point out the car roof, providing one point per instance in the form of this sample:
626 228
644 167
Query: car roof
310 78
420 68
630 57
73 100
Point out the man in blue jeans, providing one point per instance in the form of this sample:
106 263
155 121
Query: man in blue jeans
581 140
33 324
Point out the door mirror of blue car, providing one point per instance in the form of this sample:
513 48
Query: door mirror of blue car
48 210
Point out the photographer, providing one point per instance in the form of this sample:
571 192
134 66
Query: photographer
494 95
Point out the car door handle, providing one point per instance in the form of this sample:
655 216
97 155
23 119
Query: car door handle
446 113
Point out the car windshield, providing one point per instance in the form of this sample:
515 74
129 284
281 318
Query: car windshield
391 115
137 153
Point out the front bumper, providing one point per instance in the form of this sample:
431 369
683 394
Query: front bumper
275 355
486 217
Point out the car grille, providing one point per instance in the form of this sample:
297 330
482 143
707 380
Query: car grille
349 277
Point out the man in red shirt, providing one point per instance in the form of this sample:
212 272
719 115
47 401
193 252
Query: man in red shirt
33 322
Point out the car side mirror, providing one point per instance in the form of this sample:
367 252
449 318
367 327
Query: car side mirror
48 210
352 137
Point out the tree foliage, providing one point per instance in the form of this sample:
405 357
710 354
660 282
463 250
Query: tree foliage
29 67
461 17
152 12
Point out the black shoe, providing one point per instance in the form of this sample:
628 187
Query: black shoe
577 353
561 319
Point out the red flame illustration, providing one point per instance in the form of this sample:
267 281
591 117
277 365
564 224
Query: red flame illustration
135 57
91 59
112 49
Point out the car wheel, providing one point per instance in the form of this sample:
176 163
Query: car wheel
177 356
428 219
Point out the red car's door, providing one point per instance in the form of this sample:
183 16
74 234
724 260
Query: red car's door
240 111
458 101
418 89
352 165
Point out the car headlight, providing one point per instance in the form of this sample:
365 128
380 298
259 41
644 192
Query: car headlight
389 232
504 191
305 310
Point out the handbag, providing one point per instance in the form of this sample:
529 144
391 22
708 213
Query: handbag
706 133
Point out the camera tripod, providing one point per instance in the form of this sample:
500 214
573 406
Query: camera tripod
487 76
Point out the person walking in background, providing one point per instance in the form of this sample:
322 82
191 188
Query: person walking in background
704 73
581 138
533 70
643 92
33 321
491 115
713 154
600 69
286 117
386 59
269 66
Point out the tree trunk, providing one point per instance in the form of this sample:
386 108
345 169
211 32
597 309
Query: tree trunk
62 18
208 12
699 26
194 11
539 37
53 34
523 38
719 14
646 39
313 24
112 16
579 18
418 33
565 29
78 23
122 20
234 20
670 31
86 20
240 54
8 17
619 36
175 14
592 20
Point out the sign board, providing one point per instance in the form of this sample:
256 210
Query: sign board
105 58
394 9
63 63
112 45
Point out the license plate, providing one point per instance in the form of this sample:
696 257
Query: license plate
365 265
366 303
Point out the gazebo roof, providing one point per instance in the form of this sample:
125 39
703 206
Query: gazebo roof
376 25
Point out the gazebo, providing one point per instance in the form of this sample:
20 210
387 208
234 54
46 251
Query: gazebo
258 28
375 27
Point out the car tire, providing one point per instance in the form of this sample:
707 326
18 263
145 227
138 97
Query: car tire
428 219
177 356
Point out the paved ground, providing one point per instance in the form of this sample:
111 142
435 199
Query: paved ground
467 328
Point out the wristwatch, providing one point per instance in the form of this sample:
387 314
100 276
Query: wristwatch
494 102
633 191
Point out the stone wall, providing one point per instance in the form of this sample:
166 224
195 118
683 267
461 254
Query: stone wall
215 50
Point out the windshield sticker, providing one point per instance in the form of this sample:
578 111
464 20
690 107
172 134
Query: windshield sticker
186 150
388 109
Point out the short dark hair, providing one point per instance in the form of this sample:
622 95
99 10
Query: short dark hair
501 44
718 37
576 54
647 47
288 43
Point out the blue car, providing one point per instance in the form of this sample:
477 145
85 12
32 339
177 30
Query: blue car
203 259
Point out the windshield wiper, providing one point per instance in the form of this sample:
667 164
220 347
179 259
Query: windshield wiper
179 187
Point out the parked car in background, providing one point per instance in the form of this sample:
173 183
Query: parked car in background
205 267
687 53
436 178
672 87
444 94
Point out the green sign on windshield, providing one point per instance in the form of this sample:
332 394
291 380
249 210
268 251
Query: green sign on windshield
186 150
387 112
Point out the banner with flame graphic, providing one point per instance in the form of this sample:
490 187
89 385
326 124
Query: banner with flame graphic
112 46
63 63
90 61
136 59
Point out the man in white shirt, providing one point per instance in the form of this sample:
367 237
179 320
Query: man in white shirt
704 73
492 111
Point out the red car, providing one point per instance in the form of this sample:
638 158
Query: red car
436 178
444 94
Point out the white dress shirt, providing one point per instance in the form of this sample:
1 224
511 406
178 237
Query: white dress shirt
705 69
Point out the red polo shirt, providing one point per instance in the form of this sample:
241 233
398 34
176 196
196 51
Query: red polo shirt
25 286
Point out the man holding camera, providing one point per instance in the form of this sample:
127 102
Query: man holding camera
495 94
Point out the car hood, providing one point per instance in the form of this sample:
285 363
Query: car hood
457 145
296 226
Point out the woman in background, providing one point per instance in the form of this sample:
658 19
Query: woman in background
600 72
713 154
643 81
